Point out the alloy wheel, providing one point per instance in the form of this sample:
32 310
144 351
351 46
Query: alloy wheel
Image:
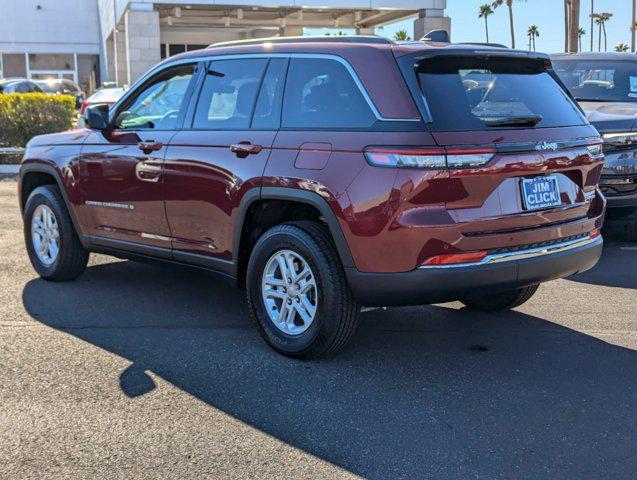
45 235
290 293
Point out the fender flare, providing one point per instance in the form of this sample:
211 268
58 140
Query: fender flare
294 195
26 168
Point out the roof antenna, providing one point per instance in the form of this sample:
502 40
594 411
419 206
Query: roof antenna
441 36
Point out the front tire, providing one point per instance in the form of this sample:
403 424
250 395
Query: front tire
499 301
54 249
298 293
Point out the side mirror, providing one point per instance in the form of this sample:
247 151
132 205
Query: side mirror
96 117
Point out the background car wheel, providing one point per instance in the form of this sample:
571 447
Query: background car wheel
499 301
298 293
52 244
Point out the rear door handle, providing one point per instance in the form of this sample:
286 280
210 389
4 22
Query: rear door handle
150 146
243 149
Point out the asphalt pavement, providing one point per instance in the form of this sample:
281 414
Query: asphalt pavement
140 371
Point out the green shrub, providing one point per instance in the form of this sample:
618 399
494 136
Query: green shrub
10 158
25 115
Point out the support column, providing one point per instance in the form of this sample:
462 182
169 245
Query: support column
365 31
432 19
120 60
291 32
142 40
108 74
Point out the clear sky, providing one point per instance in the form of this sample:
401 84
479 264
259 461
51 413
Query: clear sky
548 15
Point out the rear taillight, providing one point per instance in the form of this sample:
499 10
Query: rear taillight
595 149
431 158
434 158
84 105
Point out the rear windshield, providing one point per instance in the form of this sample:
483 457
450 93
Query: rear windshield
599 80
488 93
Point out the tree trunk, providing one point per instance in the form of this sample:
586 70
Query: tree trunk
592 25
599 40
511 25
566 23
605 39
486 28
632 27
574 25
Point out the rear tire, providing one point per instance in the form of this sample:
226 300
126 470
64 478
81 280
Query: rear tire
323 314
54 249
499 301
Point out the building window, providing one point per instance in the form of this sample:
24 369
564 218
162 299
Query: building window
170 49
14 65
82 69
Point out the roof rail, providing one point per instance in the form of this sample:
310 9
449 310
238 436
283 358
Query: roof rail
309 39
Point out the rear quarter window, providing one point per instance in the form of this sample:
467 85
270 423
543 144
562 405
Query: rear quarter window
468 93
321 93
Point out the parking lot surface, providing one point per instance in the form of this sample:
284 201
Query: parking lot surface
158 372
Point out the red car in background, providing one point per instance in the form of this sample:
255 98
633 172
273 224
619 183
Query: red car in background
103 96
323 175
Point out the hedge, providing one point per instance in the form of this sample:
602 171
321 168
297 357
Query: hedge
25 115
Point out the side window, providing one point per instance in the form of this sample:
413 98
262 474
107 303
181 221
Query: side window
321 93
32 87
157 105
267 114
229 94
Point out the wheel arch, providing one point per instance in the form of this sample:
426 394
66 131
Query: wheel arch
301 197
36 175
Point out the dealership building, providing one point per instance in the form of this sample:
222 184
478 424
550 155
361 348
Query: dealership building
93 41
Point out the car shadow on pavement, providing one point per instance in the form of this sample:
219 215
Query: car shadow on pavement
419 392
616 268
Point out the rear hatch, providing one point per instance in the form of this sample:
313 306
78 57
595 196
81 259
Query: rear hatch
520 152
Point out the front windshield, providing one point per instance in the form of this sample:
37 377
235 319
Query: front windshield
599 80
50 87
57 86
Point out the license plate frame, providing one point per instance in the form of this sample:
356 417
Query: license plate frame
540 193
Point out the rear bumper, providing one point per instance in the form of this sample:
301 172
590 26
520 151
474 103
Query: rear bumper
496 273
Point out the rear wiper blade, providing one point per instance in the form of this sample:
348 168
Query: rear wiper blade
515 121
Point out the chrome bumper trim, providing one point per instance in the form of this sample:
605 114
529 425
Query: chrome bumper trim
522 254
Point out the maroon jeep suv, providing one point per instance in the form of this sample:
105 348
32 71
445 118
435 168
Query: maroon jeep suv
326 175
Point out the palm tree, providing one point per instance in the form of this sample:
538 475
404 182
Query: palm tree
509 3
485 11
598 21
601 20
532 33
622 47
402 36
580 34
